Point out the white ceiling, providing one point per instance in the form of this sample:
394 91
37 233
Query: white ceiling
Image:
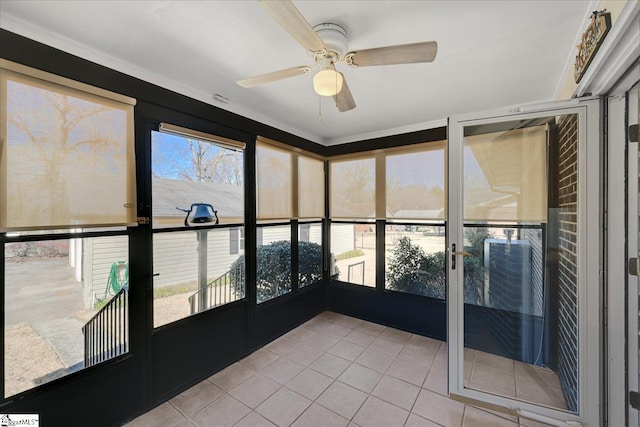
490 54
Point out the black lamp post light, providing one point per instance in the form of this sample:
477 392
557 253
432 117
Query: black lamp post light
204 213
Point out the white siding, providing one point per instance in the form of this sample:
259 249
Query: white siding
315 234
175 259
98 256
342 238
276 234
175 256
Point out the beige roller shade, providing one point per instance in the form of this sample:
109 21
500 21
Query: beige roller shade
274 182
505 176
353 188
67 153
310 187
416 183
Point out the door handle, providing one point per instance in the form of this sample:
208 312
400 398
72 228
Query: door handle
454 253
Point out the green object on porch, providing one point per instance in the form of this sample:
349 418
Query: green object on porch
118 278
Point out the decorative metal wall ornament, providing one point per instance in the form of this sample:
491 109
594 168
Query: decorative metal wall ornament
592 38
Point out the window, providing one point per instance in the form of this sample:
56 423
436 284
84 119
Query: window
193 272
415 260
309 254
415 244
353 252
236 240
192 176
197 182
310 187
405 187
353 188
274 182
67 165
68 161
273 262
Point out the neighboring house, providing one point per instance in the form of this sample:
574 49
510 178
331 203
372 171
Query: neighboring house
175 255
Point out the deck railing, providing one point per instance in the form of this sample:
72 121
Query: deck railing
106 335
225 289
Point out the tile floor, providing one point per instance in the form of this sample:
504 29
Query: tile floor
333 370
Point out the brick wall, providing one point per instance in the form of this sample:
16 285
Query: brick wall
567 280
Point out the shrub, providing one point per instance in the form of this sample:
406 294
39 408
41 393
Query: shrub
273 269
412 270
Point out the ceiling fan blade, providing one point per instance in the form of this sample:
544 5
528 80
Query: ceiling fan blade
400 54
273 76
344 99
290 19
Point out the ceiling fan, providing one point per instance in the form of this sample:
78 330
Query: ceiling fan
327 44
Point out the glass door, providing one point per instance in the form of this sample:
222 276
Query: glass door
523 262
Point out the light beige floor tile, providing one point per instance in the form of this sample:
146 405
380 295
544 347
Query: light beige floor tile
197 397
282 346
282 370
253 419
254 390
426 342
330 365
283 407
539 392
231 376
360 377
378 413
375 360
337 330
259 359
321 341
397 335
436 380
419 355
410 361
492 380
329 316
372 328
493 361
417 421
300 332
360 337
309 383
318 416
508 417
349 322
225 411
469 355
408 371
386 345
304 354
347 350
164 415
342 399
397 392
476 418
439 409
318 324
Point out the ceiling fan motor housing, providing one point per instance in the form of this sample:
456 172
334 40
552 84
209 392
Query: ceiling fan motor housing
333 36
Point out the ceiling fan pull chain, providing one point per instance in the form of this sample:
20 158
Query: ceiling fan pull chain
319 109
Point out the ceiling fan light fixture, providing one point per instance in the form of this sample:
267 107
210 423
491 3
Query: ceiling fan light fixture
327 82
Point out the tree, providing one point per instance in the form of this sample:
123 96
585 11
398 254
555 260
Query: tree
58 139
212 164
